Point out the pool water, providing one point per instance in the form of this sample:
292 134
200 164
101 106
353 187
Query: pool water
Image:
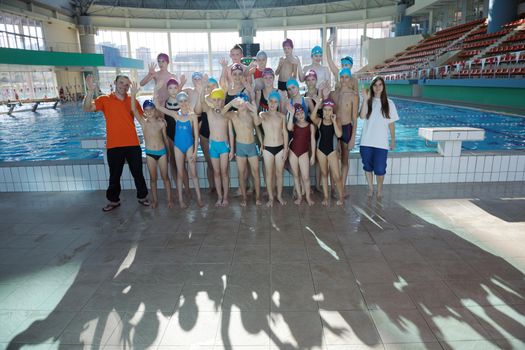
56 134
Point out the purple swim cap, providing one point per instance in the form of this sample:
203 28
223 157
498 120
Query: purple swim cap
164 57
172 82
288 42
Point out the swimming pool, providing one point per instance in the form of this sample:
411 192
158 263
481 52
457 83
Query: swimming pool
56 134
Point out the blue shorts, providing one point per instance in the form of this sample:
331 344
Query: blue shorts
245 149
217 148
374 159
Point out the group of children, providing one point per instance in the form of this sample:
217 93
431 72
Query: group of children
243 115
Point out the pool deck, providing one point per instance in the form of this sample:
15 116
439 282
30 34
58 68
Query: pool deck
438 266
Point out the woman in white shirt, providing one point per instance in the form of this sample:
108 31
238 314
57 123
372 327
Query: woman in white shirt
379 114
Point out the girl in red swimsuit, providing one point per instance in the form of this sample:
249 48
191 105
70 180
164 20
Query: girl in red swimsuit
303 139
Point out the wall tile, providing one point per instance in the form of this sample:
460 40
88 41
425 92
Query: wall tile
447 164
412 178
503 176
462 177
478 177
429 178
420 178
520 176
454 166
480 162
521 164
511 176
15 174
470 177
487 167
513 165
471 164
395 179
496 164
438 165
486 177
17 187
421 165
22 173
429 165
405 165
396 166
494 176
403 178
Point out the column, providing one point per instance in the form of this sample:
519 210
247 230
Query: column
87 34
501 12
403 22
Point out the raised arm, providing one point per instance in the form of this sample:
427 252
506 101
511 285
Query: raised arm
151 74
225 77
329 59
164 110
313 114
89 104
289 117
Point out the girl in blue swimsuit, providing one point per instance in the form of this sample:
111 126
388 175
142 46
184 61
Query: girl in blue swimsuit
186 141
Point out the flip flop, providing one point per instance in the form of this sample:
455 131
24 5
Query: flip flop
144 202
110 207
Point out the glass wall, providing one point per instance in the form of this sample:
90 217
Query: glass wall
112 38
146 46
25 85
221 43
378 30
349 43
271 42
20 32
189 54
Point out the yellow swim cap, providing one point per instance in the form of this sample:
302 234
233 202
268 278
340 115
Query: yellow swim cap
217 94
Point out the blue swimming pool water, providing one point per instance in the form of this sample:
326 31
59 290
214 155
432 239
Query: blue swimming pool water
55 134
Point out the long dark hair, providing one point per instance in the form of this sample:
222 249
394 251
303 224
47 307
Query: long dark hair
385 108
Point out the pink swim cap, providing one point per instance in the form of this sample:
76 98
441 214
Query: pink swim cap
164 57
288 42
172 82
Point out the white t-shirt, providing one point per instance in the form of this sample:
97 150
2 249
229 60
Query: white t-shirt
375 129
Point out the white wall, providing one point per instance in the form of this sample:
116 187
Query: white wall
377 50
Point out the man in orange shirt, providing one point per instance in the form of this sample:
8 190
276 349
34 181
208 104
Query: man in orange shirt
122 142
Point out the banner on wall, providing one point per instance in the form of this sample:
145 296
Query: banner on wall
111 56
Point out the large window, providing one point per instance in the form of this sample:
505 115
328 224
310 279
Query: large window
112 38
271 42
146 46
349 43
189 54
27 85
20 32
221 43
304 40
379 30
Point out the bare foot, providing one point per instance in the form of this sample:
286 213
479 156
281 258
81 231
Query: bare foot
319 189
281 200
325 202
243 202
298 201
340 202
370 192
225 202
346 195
218 203
154 204
200 202
258 201
379 195
171 204
183 205
310 202
269 204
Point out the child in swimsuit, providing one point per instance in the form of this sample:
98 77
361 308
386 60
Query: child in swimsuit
186 143
257 68
329 130
157 145
288 65
303 139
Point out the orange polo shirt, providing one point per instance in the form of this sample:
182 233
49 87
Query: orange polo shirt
120 125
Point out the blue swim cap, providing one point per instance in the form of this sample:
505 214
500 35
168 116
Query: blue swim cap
262 55
148 104
196 75
347 60
292 81
244 96
212 80
274 95
345 71
317 50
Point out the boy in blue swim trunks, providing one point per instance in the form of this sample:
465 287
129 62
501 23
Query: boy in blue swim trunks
243 120
157 145
221 141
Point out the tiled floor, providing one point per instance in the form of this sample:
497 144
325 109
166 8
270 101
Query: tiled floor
429 267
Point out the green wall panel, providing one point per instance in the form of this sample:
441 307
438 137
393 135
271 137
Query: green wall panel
61 59
399 89
508 97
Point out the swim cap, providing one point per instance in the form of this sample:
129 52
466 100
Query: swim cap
268 71
317 50
298 107
236 66
311 73
288 42
172 82
217 94
274 95
182 96
212 80
244 96
345 71
164 57
261 54
196 75
148 104
328 102
292 81
347 60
